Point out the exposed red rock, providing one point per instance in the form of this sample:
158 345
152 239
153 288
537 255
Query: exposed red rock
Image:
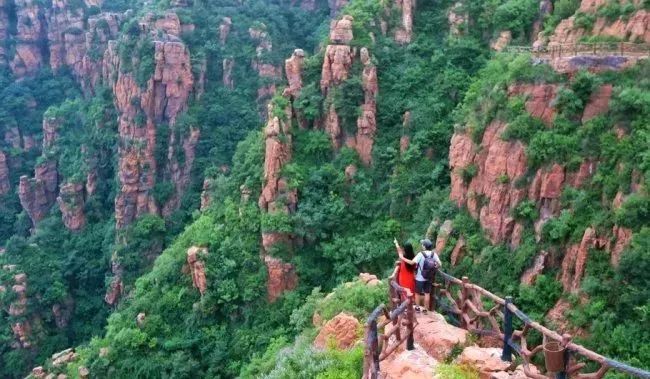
30 30
195 257
405 140
457 19
228 64
575 259
114 291
206 197
5 185
179 173
343 331
486 359
165 96
63 357
436 336
414 364
443 234
282 277
336 65
404 33
71 203
502 41
366 123
499 165
622 236
369 279
51 127
530 275
586 170
224 29
37 195
169 23
539 99
459 250
62 312
293 71
598 102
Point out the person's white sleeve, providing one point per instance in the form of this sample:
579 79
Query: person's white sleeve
438 260
418 258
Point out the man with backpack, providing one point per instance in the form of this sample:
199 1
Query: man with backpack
426 261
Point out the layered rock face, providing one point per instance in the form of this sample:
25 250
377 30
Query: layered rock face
266 71
195 256
17 308
30 30
141 110
38 194
5 185
337 63
63 32
342 329
277 198
498 187
71 202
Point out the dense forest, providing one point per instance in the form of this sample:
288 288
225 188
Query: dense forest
183 182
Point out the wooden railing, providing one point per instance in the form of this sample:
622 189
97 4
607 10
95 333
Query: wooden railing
379 346
555 50
494 317
483 313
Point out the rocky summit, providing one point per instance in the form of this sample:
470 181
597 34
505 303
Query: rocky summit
195 188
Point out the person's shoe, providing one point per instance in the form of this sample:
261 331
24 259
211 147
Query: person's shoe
424 311
417 309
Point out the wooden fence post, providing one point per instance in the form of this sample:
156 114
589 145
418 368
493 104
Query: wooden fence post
463 299
410 322
433 292
507 330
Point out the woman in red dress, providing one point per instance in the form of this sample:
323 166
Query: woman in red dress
406 275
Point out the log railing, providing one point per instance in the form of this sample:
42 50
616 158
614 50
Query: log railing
484 313
381 345
555 50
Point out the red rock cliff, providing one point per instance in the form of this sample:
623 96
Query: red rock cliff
142 110
277 198
337 63
71 202
498 186
30 31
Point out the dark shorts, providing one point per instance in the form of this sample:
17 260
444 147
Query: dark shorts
422 287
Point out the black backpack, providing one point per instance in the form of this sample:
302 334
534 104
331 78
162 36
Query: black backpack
429 266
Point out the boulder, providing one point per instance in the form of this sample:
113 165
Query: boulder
436 336
414 364
486 359
343 331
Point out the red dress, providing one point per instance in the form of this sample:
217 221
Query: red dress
405 277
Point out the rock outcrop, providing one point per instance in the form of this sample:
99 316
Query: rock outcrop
277 198
282 277
436 336
224 29
5 184
414 364
293 72
141 110
30 31
337 64
575 259
457 18
335 6
227 65
38 194
486 360
195 257
71 202
269 73
499 165
404 33
342 331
